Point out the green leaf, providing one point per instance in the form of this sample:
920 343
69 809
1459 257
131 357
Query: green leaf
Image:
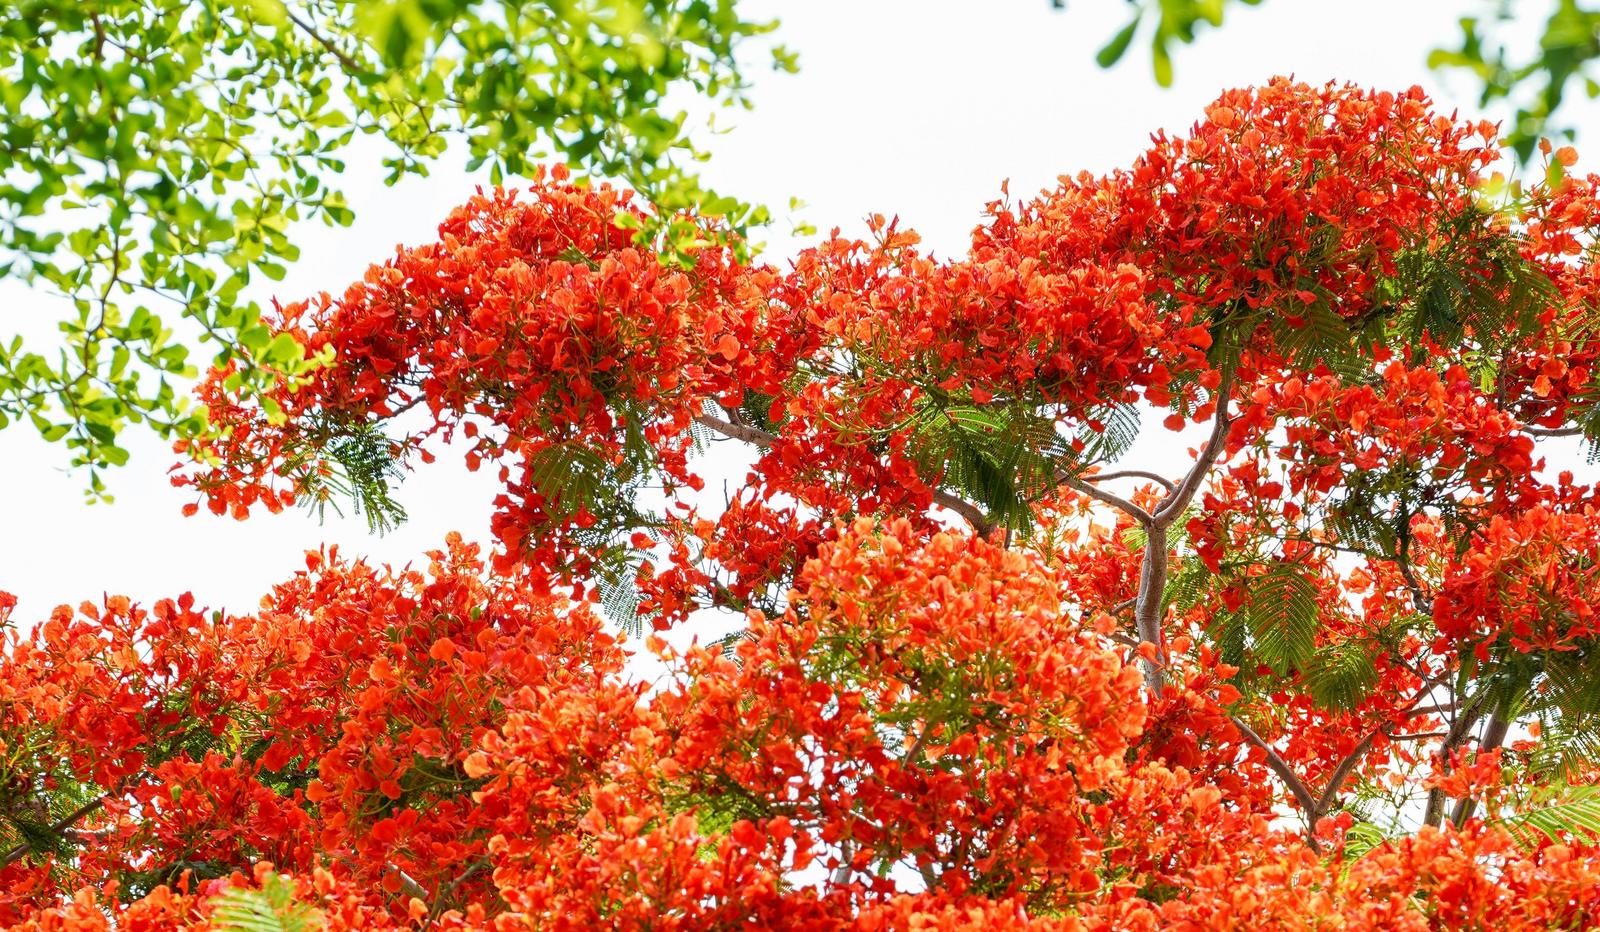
1283 616
272 908
1361 838
1161 61
283 351
1341 676
998 457
1572 813
178 104
1113 51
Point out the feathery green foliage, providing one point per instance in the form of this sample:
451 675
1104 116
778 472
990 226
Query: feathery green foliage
1570 813
1282 616
272 908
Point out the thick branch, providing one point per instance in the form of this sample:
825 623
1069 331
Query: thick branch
1494 734
743 432
1434 813
1174 504
1297 786
841 874
1149 607
1342 773
980 522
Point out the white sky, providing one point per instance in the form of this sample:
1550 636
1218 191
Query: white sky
919 109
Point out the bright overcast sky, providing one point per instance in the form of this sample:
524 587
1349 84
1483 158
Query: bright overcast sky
919 109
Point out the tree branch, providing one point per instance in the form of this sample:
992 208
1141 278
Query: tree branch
1297 786
1149 607
1494 734
1168 484
1174 504
1433 814
1116 501
743 432
1438 708
349 63
841 874
1342 773
61 825
1553 431
980 522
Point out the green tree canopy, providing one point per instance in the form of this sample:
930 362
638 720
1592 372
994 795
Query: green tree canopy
1536 82
155 153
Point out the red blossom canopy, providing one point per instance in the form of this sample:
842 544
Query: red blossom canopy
1335 669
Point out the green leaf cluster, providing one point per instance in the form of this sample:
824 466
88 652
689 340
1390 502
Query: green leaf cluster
1537 83
1175 22
270 908
156 157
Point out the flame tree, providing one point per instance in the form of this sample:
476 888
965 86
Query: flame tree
1331 669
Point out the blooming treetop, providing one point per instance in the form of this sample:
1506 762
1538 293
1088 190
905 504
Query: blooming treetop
988 676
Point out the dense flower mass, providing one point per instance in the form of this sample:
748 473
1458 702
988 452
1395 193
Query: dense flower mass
1334 667
925 738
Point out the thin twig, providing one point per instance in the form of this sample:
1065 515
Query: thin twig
61 825
1168 484
349 63
1553 431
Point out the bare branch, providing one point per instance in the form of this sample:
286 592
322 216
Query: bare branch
1168 484
1433 814
1120 638
1174 504
1438 708
980 522
1494 734
1116 501
1151 603
1553 431
743 432
841 874
1342 772
1302 793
